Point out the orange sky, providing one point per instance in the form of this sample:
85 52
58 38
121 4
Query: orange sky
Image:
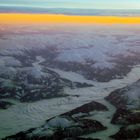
52 18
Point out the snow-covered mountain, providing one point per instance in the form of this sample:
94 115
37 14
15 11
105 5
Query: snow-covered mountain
33 82
127 102
70 125
99 53
78 64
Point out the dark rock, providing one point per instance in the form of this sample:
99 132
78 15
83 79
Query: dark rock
77 128
123 116
71 84
116 99
127 134
87 108
126 100
5 105
91 125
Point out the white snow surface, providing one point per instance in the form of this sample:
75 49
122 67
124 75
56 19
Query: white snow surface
59 122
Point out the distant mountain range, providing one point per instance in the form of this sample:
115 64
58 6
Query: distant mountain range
70 11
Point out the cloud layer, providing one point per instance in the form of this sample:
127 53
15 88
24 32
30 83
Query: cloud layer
87 4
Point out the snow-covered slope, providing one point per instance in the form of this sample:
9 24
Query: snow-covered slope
127 102
127 98
69 125
31 83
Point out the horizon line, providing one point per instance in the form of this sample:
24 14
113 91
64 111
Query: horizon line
27 6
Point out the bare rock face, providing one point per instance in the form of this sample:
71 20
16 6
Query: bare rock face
127 102
65 126
128 133
86 109
126 117
5 105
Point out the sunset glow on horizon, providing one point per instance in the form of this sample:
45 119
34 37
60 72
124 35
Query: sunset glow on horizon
14 18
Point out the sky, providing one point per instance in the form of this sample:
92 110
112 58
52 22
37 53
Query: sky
86 4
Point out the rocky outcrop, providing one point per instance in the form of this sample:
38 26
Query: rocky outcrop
65 126
5 105
127 133
30 84
126 117
127 102
86 109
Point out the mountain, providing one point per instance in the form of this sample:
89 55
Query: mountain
68 126
127 102
56 72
